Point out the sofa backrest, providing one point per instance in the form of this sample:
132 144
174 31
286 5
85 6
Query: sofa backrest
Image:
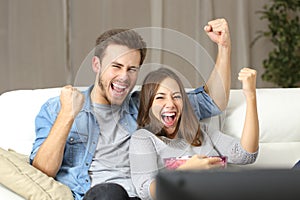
278 113
18 110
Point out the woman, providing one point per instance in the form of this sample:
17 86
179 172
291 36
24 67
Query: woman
168 128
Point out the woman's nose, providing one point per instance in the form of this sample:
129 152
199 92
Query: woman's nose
170 103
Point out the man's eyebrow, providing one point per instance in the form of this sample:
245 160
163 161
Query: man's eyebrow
119 64
116 63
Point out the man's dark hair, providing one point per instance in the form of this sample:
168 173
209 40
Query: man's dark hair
125 37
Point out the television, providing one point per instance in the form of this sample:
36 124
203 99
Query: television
245 184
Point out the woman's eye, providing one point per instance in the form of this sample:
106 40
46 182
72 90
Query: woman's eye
177 97
159 97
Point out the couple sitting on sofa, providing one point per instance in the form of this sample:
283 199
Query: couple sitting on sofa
83 139
69 147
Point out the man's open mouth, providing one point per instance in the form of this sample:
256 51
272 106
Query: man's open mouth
119 89
168 118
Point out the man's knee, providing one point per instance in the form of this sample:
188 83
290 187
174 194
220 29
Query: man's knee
106 191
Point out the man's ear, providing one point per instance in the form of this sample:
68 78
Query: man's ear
96 64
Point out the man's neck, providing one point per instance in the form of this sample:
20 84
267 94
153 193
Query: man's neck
97 97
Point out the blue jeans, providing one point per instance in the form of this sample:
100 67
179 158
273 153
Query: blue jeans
297 165
108 191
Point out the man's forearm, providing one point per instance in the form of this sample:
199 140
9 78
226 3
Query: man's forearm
219 82
50 155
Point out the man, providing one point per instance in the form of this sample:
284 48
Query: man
83 138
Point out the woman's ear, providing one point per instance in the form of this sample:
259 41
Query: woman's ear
96 64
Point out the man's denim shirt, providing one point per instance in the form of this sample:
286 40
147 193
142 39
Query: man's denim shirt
83 137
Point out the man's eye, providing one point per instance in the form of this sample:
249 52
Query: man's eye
133 69
116 66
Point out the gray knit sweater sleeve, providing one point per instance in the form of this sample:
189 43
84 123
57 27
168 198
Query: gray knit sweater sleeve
232 148
143 162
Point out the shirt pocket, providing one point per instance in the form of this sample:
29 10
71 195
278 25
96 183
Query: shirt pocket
76 148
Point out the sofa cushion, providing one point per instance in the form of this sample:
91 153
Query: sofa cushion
278 113
18 110
22 178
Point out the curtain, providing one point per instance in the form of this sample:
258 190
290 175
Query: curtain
49 43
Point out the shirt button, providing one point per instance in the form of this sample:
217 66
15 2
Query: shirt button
71 139
86 180
86 164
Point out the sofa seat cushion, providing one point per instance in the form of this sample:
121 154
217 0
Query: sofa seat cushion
22 178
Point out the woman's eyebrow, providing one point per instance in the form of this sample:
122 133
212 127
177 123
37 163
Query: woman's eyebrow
161 93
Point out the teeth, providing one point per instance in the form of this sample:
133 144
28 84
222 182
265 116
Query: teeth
119 86
168 114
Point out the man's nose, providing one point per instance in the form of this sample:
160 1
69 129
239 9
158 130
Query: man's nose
123 74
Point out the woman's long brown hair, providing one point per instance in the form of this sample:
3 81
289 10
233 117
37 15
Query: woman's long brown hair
188 125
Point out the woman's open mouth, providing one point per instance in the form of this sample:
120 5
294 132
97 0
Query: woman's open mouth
168 118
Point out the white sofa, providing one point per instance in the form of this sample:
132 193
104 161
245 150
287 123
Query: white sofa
278 109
